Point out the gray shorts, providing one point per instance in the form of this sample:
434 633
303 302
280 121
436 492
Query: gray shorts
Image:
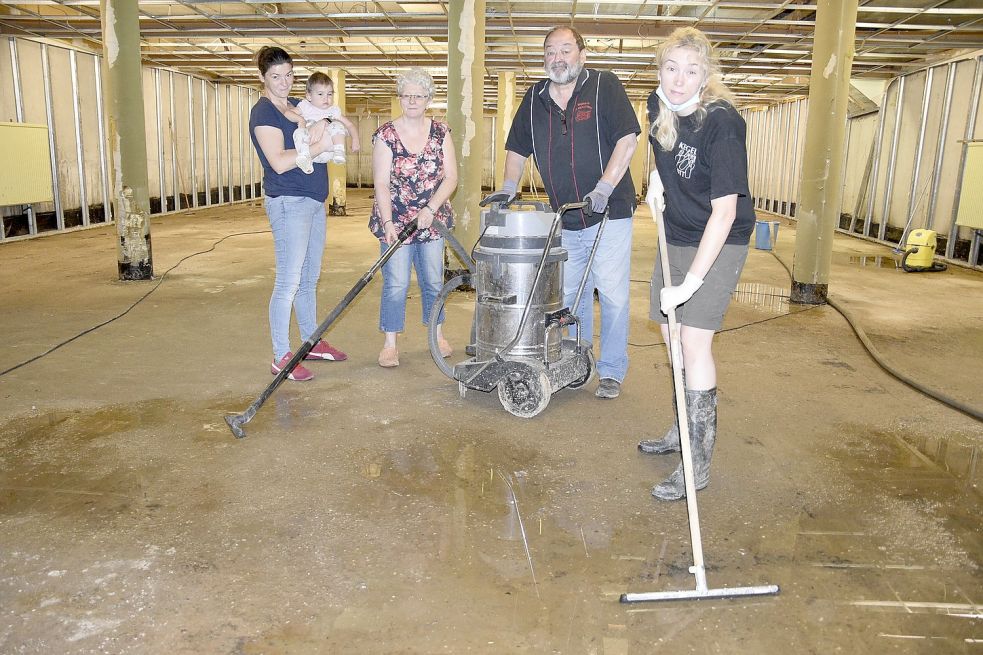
705 310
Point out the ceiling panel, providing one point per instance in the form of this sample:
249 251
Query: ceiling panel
765 47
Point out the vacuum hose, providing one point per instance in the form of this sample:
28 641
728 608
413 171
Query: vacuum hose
876 355
438 305
934 268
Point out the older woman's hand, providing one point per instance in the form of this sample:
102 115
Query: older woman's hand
424 217
389 232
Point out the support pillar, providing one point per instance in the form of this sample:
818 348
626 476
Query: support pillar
338 173
506 110
465 91
821 187
126 136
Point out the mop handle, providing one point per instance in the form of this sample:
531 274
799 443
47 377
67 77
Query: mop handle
676 358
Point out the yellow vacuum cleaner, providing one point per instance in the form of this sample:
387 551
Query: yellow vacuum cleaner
919 253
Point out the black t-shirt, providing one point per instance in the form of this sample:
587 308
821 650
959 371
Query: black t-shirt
571 147
709 161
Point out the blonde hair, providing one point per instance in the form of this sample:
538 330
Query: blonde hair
666 126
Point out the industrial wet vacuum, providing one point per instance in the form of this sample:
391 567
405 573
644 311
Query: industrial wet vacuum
519 336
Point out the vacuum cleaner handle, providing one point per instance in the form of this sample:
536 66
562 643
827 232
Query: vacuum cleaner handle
236 421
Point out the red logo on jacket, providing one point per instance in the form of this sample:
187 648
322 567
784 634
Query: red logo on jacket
583 111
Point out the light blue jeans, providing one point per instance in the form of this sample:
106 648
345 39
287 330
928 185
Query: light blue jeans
299 228
428 260
610 275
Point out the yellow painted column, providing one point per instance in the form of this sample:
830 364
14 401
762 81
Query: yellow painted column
465 113
637 166
126 136
821 184
338 173
505 111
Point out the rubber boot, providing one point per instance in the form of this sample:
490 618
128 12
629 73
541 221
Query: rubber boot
669 443
701 410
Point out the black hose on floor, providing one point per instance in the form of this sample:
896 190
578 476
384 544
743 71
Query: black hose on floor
127 310
877 357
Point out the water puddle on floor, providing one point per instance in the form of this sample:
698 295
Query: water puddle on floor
961 459
762 296
876 261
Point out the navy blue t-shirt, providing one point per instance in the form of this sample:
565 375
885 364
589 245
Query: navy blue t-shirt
294 182
709 161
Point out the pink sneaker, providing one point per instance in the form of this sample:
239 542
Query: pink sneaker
323 350
299 374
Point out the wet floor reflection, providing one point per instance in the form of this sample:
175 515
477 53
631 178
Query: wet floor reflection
509 527
960 459
762 296
876 261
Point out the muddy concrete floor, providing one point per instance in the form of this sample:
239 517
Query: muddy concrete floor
377 511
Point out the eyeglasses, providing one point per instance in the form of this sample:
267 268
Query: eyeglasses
414 97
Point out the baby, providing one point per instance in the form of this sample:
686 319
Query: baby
319 106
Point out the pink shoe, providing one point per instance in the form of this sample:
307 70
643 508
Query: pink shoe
299 374
445 347
323 350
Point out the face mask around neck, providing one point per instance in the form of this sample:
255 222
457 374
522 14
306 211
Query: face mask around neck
684 105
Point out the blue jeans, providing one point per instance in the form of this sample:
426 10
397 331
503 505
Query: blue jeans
610 275
299 227
428 260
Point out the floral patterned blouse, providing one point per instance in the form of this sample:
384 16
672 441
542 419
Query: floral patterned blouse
413 179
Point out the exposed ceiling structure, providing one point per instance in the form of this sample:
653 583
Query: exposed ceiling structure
764 47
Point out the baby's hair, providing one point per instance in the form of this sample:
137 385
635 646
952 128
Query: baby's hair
318 78
270 56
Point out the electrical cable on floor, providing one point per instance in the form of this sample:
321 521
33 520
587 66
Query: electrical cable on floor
877 357
732 329
127 310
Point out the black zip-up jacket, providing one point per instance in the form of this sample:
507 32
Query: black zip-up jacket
572 147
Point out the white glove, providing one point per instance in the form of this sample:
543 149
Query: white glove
656 192
672 297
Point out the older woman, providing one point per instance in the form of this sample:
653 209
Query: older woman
294 203
415 173
701 182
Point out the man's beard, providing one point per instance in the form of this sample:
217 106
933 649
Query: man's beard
565 76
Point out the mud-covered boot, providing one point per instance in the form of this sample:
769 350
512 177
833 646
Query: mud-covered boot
669 443
701 410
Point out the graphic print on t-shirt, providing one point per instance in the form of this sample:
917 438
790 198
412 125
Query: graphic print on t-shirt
582 111
685 160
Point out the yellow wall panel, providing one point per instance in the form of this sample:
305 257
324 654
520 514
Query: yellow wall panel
971 197
25 166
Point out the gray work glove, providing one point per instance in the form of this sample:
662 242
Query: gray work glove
597 200
505 194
